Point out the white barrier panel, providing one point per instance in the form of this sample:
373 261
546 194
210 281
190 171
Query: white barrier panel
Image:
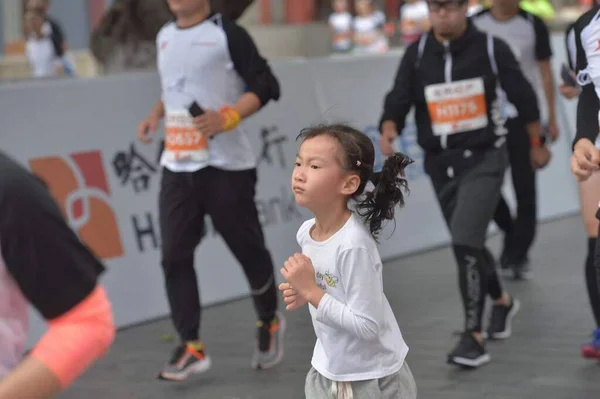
80 136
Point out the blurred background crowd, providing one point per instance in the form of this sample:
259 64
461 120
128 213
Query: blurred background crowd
62 38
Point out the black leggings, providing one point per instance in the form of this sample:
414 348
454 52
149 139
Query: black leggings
468 201
592 275
520 232
228 198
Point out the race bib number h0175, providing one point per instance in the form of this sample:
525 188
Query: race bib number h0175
456 107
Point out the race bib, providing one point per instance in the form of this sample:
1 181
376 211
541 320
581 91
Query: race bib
456 107
183 141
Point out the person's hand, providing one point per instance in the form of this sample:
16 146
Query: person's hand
147 128
210 123
388 135
298 270
569 92
291 298
585 159
553 131
540 156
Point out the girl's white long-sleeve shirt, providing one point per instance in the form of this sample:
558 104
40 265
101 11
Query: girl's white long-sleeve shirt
358 337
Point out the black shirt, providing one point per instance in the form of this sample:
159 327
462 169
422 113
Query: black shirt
463 59
587 37
53 269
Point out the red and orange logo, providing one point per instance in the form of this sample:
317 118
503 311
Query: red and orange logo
79 185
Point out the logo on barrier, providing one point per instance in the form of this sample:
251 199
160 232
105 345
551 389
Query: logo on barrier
78 183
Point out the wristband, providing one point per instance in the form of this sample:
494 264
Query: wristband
230 117
536 142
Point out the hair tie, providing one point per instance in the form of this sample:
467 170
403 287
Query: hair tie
358 163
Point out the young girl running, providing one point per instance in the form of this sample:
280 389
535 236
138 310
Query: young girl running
360 352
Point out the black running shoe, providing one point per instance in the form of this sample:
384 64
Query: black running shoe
469 352
501 320
522 269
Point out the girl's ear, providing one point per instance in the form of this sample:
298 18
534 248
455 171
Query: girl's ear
351 184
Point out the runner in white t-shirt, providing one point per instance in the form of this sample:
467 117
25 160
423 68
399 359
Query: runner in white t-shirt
585 161
414 20
529 40
212 78
360 351
340 27
369 29
46 47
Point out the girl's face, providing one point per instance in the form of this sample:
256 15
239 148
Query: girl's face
318 179
340 5
363 7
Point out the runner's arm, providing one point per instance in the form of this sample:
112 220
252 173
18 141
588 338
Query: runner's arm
587 114
158 111
543 55
571 46
261 85
399 100
518 89
587 126
72 342
58 275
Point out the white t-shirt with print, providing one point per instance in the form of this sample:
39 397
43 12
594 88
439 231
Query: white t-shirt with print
358 337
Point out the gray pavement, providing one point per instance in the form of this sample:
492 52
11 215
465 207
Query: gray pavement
540 361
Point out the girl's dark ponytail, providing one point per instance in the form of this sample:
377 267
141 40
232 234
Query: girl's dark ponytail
379 205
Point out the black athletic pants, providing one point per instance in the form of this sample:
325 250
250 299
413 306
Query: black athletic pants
520 232
467 185
228 198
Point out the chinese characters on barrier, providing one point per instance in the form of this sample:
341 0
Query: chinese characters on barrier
270 144
133 168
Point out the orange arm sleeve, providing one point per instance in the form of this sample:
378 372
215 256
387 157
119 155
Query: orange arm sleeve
77 338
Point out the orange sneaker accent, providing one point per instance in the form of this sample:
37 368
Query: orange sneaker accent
195 352
274 327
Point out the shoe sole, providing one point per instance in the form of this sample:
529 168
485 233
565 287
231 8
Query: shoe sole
470 363
197 368
590 354
508 330
257 364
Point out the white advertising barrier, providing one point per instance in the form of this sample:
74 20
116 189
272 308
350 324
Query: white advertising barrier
80 136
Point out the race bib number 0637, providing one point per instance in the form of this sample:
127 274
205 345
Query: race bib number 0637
183 141
456 107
